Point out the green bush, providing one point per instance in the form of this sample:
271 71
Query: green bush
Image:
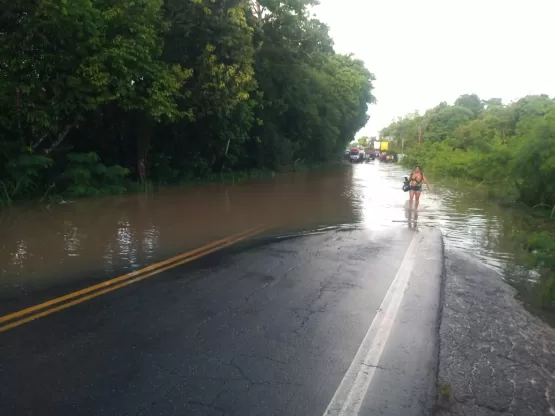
89 177
23 176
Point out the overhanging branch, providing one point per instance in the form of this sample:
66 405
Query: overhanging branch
61 136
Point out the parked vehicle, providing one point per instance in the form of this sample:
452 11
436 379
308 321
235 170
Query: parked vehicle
356 156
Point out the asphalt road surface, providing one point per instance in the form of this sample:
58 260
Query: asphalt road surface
340 322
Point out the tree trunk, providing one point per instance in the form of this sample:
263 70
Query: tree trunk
144 132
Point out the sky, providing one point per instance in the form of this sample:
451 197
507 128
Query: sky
423 52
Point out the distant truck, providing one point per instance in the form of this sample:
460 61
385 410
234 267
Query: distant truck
370 153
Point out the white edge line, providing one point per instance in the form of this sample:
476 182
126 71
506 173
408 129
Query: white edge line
350 394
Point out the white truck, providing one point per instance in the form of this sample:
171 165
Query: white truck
356 155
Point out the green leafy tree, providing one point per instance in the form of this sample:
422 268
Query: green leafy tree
471 102
215 40
64 61
73 57
442 122
364 141
168 90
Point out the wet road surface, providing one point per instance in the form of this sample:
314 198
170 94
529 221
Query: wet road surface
343 321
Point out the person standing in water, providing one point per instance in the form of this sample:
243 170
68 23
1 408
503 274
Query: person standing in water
415 180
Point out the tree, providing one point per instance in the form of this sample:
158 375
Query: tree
364 141
215 40
442 122
471 102
74 57
493 102
311 121
96 94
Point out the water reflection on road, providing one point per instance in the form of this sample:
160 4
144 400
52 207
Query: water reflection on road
467 222
41 247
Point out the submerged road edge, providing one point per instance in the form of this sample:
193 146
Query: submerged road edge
38 311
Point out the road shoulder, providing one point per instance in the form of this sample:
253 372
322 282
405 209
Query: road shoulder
495 357
394 370
405 379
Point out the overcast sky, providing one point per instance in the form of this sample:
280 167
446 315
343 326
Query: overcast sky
423 52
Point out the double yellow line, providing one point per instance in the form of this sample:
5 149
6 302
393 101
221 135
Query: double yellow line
63 302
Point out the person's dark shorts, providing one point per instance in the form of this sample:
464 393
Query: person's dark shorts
416 188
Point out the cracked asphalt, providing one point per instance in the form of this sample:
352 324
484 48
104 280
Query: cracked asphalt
269 327
495 357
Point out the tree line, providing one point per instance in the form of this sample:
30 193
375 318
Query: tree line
98 95
511 146
508 147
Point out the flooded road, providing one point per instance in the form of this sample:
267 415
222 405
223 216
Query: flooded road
102 237
341 318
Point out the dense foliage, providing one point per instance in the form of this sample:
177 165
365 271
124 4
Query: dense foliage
510 148
97 94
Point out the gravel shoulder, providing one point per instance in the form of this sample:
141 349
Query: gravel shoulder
495 357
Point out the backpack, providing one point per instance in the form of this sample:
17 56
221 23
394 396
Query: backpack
406 185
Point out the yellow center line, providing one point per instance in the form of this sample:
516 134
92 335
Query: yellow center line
211 247
125 283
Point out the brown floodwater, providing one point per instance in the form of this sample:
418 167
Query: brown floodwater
70 242
42 246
